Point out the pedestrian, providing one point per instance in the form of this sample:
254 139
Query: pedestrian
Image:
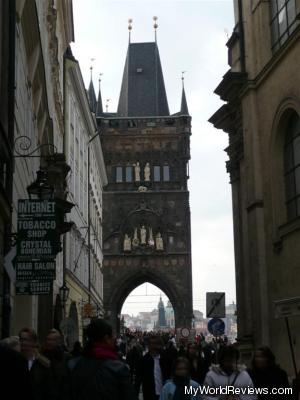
198 364
39 366
133 359
265 373
77 350
54 350
14 375
170 354
152 372
99 374
176 388
228 373
12 342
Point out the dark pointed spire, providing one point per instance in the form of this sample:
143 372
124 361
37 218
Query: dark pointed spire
143 92
184 107
91 93
99 108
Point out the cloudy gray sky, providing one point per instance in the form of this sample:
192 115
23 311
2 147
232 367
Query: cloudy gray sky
191 37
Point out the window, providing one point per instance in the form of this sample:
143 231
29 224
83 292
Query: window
156 173
128 174
166 173
283 21
119 174
292 167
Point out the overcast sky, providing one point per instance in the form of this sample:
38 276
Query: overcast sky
191 37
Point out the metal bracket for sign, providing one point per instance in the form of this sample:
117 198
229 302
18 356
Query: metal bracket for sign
13 238
22 148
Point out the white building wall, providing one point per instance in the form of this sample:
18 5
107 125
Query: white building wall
80 128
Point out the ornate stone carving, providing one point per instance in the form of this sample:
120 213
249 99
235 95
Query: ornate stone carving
147 172
135 240
127 243
143 232
159 242
137 172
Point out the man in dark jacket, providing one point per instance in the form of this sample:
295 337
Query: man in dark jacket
99 374
153 370
53 349
38 366
14 375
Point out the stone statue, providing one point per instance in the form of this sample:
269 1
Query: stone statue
127 243
151 240
159 242
137 172
135 240
143 234
147 172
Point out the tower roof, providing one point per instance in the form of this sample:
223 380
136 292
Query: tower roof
143 92
99 107
184 107
92 96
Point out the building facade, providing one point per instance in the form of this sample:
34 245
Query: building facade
86 181
7 54
261 115
146 202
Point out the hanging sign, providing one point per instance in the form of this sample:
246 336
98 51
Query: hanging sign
37 234
39 270
34 288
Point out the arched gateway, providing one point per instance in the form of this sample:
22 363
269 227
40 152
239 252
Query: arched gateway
146 202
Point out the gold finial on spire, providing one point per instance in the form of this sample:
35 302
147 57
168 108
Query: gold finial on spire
155 26
107 103
130 28
99 80
182 77
91 67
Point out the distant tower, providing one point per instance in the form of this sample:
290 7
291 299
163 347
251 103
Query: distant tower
161 314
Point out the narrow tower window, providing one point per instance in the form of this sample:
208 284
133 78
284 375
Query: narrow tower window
166 173
156 173
128 174
119 174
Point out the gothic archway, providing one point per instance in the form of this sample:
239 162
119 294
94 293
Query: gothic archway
147 308
116 297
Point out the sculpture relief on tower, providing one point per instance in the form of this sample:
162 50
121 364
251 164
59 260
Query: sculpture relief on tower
147 172
137 172
150 240
159 242
143 232
127 243
135 240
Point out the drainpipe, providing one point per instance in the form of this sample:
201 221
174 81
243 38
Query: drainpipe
242 36
11 80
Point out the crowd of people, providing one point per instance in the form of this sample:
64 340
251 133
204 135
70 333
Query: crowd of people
155 366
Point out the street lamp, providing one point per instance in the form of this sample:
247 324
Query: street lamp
64 293
40 188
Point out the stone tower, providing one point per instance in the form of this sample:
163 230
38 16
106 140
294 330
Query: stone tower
161 314
146 213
